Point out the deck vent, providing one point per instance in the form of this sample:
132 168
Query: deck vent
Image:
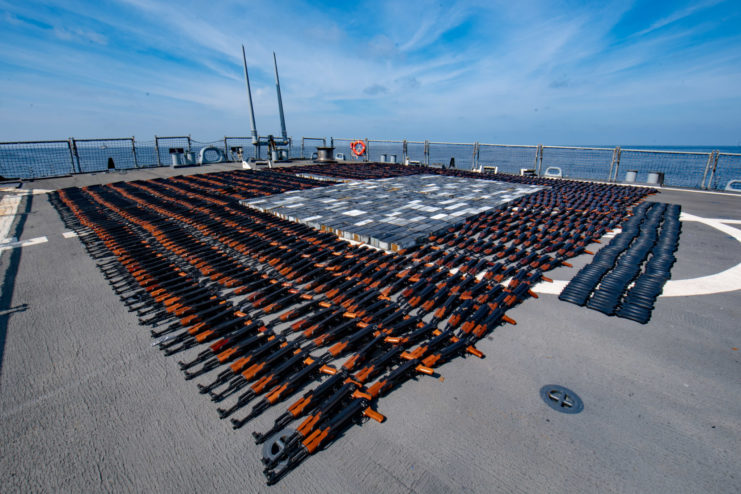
561 399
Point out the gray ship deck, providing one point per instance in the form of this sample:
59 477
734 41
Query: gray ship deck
86 404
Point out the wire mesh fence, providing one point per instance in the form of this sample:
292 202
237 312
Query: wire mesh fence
35 159
146 154
415 152
679 169
727 175
96 155
239 148
576 162
171 150
308 146
506 158
713 170
386 151
459 155
342 147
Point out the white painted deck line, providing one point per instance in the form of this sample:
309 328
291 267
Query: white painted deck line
725 281
23 243
8 209
23 192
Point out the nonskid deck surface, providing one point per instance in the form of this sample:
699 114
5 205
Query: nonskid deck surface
83 373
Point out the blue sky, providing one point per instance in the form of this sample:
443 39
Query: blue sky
643 72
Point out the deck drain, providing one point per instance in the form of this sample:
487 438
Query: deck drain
561 399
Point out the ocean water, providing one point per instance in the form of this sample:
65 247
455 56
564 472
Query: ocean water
682 166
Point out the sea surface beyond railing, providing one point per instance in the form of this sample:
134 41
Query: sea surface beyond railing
698 167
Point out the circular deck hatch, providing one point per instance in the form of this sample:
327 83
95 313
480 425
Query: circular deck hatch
561 399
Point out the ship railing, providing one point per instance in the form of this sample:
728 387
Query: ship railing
308 151
726 168
701 170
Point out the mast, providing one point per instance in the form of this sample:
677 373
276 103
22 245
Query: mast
280 101
249 97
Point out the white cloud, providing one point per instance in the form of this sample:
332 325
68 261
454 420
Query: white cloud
80 35
391 74
678 15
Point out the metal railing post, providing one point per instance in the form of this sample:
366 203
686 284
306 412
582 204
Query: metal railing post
71 156
133 150
303 156
157 149
703 185
617 163
540 162
538 165
474 158
76 154
712 172
367 150
404 151
615 152
226 150
427 152
189 143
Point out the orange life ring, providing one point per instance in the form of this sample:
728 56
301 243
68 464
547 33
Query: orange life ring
358 148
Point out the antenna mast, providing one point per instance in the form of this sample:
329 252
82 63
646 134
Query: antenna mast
280 100
249 97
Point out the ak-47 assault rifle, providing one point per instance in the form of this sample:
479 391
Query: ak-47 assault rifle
315 367
342 400
332 330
